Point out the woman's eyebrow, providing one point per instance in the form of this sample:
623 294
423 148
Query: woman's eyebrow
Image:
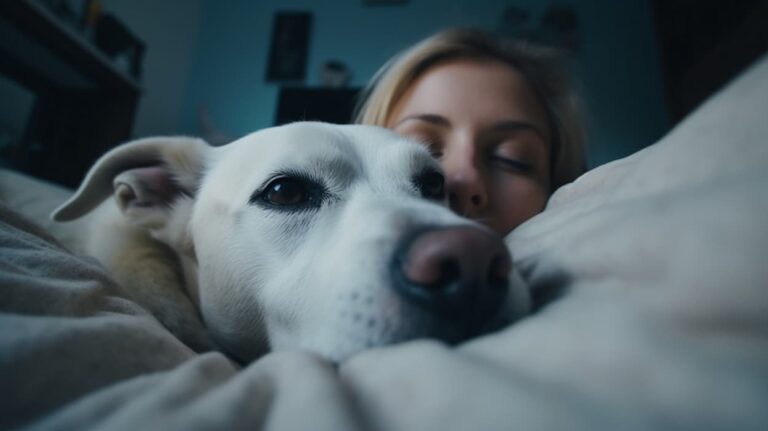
515 125
435 119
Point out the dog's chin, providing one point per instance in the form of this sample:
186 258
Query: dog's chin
347 342
240 351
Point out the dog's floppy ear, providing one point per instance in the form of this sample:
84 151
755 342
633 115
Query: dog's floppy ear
145 175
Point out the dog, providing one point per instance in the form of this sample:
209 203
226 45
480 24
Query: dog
327 238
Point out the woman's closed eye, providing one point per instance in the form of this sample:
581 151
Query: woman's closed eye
516 154
517 165
436 151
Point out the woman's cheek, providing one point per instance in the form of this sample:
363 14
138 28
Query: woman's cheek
519 201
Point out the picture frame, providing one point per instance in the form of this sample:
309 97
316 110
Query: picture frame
289 47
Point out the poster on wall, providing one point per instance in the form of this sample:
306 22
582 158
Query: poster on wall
289 46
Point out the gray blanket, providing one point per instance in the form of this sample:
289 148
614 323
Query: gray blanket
655 266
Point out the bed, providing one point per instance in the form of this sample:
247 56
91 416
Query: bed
652 269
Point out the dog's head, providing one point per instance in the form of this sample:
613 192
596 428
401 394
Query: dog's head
327 238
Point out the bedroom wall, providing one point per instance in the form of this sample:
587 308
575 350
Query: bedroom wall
232 58
169 28
620 70
617 61
213 54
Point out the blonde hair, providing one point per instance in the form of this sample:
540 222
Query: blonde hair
542 67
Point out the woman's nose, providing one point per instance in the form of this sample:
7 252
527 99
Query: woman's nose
467 193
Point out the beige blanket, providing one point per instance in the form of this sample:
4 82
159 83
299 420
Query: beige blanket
655 266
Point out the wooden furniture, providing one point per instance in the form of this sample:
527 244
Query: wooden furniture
703 45
332 105
84 104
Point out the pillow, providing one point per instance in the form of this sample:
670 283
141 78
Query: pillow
655 270
36 199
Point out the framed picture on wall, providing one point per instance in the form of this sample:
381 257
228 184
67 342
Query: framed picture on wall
289 46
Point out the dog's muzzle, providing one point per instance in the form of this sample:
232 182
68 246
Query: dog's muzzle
459 273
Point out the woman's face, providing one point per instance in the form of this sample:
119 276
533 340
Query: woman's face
484 123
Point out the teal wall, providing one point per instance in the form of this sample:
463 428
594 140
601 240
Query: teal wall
169 28
621 78
617 62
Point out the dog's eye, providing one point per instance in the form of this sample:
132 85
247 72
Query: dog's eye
431 184
290 193
287 191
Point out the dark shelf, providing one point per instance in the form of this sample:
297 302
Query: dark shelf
84 105
40 50
332 105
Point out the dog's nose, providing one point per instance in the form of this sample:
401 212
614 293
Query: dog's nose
460 273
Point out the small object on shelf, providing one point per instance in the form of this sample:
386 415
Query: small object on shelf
334 74
113 38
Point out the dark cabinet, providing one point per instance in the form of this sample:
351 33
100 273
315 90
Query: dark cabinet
84 104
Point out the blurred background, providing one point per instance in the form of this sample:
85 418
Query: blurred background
80 76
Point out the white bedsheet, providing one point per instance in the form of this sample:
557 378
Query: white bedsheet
660 261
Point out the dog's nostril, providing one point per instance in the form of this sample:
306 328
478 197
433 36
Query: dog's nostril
450 271
498 275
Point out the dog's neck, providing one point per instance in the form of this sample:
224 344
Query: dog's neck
157 269
189 271
176 235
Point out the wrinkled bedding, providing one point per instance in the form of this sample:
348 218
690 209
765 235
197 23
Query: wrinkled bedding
654 270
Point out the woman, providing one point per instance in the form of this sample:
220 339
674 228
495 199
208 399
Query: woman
500 116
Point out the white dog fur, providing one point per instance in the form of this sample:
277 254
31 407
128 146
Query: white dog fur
184 237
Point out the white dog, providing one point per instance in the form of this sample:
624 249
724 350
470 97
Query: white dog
327 238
